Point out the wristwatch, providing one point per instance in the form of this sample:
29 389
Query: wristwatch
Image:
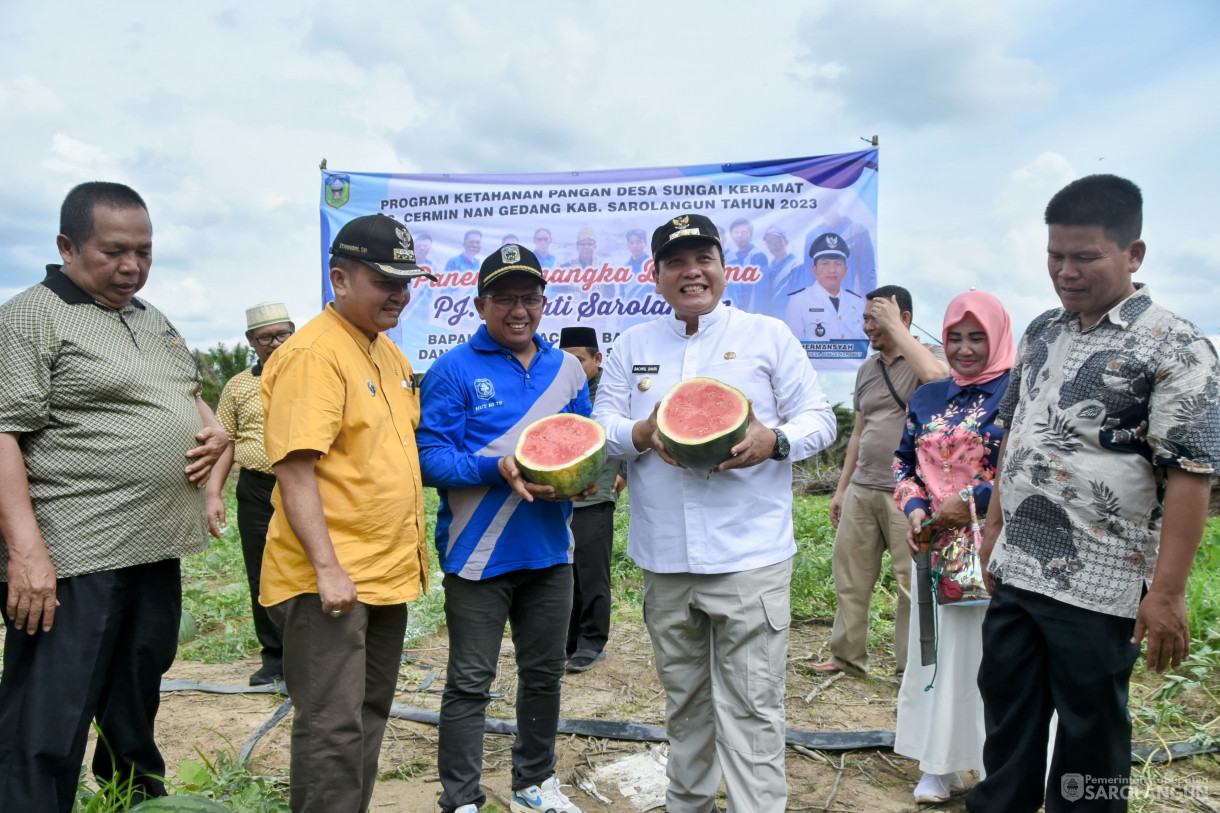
782 446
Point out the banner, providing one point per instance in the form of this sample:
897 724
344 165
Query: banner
799 238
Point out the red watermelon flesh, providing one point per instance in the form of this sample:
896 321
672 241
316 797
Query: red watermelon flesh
566 451
701 420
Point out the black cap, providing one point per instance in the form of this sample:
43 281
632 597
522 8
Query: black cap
681 229
578 337
509 259
829 245
381 243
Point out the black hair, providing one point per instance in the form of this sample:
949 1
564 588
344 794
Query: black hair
902 295
76 213
1108 201
350 265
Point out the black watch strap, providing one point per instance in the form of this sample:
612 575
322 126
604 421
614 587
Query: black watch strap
782 446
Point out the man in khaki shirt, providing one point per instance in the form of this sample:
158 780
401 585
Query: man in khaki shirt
862 511
100 418
345 548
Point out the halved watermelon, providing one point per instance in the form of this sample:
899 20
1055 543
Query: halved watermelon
701 420
566 451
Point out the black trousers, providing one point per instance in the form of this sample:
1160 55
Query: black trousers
593 529
253 516
115 635
535 604
1039 656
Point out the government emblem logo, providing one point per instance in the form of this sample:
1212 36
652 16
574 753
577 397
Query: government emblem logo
1071 785
337 190
832 241
510 254
484 388
820 330
407 252
682 222
645 384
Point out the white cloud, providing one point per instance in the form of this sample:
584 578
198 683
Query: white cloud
24 96
76 159
918 64
219 117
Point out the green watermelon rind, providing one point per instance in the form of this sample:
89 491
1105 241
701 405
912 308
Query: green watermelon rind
709 453
570 480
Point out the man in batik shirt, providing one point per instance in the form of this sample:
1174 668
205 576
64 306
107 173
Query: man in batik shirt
1113 422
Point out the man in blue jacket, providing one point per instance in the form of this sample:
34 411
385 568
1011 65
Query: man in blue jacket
504 544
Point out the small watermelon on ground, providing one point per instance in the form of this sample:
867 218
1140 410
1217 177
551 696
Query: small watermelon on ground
566 451
701 420
180 804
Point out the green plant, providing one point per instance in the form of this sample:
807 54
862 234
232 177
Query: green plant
626 578
115 796
813 592
218 364
216 596
409 770
225 779
426 614
1203 588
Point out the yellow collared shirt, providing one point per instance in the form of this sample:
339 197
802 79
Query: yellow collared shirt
330 390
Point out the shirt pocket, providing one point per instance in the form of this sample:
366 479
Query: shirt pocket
749 374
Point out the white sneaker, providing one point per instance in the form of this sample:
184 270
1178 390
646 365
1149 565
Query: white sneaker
931 788
466 809
544 798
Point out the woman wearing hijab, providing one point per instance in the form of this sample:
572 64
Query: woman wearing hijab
943 471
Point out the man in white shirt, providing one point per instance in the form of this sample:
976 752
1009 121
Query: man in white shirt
716 549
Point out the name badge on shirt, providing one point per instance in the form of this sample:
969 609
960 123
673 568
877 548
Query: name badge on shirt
646 368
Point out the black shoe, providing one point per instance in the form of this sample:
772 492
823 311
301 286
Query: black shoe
267 675
583 660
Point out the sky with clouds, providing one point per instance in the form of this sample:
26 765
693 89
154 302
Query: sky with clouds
219 115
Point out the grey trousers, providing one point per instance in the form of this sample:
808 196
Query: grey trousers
721 647
341 674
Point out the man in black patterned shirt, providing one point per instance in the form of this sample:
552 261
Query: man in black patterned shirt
100 467
1113 433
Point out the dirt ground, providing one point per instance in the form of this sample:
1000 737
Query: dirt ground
624 688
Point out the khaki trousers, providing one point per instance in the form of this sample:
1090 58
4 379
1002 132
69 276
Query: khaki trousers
721 648
869 525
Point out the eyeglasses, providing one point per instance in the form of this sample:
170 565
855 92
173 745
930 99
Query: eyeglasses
266 341
507 302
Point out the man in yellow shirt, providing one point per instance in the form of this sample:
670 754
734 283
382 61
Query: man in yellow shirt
345 548
240 412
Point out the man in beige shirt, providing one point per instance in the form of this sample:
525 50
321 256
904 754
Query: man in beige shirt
862 511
